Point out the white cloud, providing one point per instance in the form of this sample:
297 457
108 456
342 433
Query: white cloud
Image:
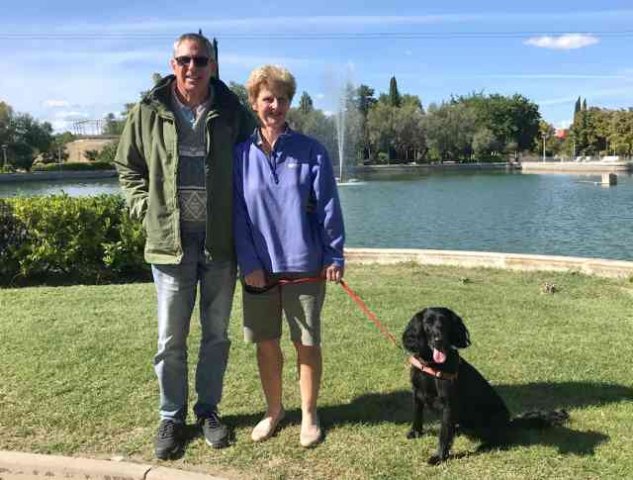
568 41
53 103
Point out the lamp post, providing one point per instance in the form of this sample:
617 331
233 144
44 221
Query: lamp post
4 153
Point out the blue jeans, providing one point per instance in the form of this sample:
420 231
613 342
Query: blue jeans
176 287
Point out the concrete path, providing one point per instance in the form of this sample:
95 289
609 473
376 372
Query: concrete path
511 261
29 466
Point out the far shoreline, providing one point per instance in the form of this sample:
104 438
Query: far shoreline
61 175
377 171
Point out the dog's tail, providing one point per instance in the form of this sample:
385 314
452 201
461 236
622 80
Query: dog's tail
540 419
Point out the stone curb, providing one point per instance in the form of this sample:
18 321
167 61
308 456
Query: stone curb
30 466
510 261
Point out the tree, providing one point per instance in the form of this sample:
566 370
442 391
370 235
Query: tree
241 92
394 95
577 107
413 100
108 152
450 129
546 136
621 132
24 136
57 151
395 125
156 78
381 126
409 138
514 121
6 114
364 101
113 125
316 124
305 103
580 134
484 144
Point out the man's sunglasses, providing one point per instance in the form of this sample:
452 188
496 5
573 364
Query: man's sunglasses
185 60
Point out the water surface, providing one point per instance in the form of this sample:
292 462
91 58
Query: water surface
550 214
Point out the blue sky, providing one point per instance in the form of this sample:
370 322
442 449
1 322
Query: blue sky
70 60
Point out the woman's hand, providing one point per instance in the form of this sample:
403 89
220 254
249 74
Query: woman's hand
332 273
256 278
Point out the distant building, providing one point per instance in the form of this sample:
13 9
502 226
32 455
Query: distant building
561 133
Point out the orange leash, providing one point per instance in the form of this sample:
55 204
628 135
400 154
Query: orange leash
369 314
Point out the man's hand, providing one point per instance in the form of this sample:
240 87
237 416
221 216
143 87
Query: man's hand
332 273
256 278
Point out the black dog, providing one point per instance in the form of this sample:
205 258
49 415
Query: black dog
449 383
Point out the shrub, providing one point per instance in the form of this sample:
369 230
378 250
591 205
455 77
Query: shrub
72 166
87 239
12 236
107 153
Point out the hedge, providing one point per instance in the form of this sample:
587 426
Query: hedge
72 166
63 239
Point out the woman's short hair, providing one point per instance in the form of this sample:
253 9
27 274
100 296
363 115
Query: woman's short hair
273 77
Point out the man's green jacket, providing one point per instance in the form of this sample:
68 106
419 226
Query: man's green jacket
147 162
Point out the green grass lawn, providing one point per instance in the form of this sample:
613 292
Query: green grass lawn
76 377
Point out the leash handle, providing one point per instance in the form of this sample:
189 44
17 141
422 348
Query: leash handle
369 314
296 281
279 283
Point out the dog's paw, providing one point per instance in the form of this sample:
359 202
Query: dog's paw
411 434
434 460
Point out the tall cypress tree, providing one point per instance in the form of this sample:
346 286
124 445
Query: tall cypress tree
394 95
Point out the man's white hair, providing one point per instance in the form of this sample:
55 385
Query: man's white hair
198 38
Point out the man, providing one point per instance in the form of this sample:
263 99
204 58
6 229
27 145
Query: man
175 162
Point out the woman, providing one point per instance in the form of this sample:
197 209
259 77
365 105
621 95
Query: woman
288 230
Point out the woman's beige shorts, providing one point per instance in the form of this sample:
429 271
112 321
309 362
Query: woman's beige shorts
301 303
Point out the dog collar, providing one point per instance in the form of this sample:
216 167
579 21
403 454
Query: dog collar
433 372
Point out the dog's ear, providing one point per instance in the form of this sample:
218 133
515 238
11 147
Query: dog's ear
459 336
414 338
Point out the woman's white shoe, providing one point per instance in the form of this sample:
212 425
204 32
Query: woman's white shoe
310 435
266 427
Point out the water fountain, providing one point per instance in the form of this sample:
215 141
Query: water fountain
341 120
340 133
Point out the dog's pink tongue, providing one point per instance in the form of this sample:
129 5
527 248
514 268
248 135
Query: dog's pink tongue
438 357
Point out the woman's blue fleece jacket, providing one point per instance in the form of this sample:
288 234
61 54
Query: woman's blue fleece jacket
286 210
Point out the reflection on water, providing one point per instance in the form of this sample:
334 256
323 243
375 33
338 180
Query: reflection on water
482 211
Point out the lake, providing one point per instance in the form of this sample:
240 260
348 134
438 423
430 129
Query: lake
549 214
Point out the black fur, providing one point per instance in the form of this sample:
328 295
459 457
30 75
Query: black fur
467 402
